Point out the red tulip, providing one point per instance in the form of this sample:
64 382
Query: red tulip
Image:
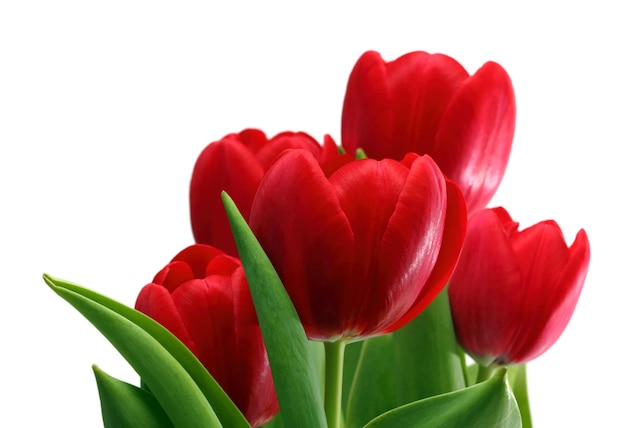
429 104
513 293
362 246
202 297
236 164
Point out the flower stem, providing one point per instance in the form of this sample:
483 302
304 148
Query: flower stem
520 390
334 377
485 372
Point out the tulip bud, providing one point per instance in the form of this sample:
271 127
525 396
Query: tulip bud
513 292
429 104
202 297
361 246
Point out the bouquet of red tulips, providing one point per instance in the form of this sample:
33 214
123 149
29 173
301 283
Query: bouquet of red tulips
360 284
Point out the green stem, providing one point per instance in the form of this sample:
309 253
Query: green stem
485 372
463 361
520 390
334 377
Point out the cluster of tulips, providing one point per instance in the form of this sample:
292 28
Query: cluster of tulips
416 292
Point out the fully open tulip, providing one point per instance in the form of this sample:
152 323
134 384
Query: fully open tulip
236 164
429 104
362 246
513 292
202 297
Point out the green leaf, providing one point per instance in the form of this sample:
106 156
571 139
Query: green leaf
427 359
487 404
141 340
350 362
373 391
127 406
293 367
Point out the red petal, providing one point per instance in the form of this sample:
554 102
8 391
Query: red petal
206 308
156 302
476 133
199 256
295 215
329 150
486 289
368 193
174 274
367 117
253 139
552 294
224 165
283 141
451 246
421 85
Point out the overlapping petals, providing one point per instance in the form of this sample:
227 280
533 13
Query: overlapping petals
513 292
361 247
429 104
236 164
202 297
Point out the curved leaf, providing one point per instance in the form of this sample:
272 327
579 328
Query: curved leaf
92 303
350 361
426 353
126 406
487 404
373 389
293 367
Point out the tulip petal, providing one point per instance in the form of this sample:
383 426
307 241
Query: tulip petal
295 215
329 150
223 165
156 302
174 274
414 235
451 246
367 118
485 291
283 141
253 139
474 139
559 295
213 307
198 257
368 193
421 85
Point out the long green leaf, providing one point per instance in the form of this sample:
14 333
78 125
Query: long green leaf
126 406
350 361
293 367
427 359
227 412
487 404
172 386
373 389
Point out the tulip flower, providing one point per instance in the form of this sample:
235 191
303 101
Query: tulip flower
361 246
236 164
429 104
202 297
513 292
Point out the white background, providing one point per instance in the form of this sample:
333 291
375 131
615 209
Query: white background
104 107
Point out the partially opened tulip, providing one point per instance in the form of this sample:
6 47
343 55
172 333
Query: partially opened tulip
361 246
429 104
513 292
236 164
202 297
